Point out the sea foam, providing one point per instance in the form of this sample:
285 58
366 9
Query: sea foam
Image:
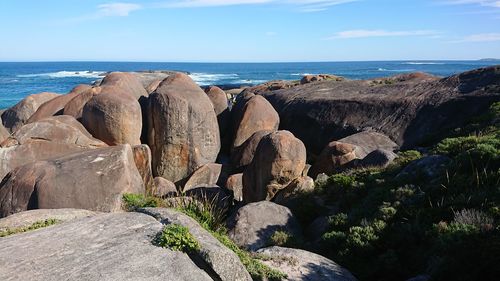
65 74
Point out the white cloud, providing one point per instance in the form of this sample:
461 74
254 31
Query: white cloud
117 9
363 33
482 37
306 5
485 3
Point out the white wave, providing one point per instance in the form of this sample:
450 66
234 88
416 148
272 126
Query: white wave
249 81
65 74
302 74
382 69
209 79
395 70
424 63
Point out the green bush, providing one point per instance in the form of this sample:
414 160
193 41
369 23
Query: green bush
34 226
178 238
132 202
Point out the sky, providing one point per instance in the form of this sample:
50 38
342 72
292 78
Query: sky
248 30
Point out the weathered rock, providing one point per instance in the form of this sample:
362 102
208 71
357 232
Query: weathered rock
300 265
243 155
16 116
206 175
368 141
290 195
280 158
128 83
56 105
378 158
320 77
235 184
219 100
411 110
153 86
75 106
257 115
427 168
27 218
76 250
214 195
114 117
182 128
4 134
252 225
164 188
142 159
224 262
49 138
333 157
272 86
94 180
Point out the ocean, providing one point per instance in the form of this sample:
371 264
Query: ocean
19 79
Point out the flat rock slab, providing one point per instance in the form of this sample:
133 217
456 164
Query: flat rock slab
103 247
222 260
28 218
300 265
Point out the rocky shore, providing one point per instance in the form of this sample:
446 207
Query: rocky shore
287 180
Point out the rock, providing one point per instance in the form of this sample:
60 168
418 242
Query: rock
182 128
148 77
103 247
320 77
272 86
153 86
301 265
235 184
128 83
290 195
252 226
280 158
27 218
56 105
224 262
4 134
206 175
93 180
423 277
58 129
427 168
49 138
257 115
333 157
113 117
142 159
378 158
317 227
16 116
75 106
368 141
411 110
243 155
220 103
214 195
163 188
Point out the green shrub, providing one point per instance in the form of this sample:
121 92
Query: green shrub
281 238
205 211
178 238
34 226
132 202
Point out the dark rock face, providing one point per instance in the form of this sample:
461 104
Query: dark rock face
333 157
16 116
252 226
427 168
378 158
243 155
368 141
93 180
409 109
182 128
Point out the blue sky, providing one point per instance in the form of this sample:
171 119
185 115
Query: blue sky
248 30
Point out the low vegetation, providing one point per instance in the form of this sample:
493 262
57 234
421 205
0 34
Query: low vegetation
36 225
178 238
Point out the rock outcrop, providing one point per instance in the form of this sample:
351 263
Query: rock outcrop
75 106
163 188
206 175
368 141
16 116
93 180
183 133
320 77
27 218
333 157
243 155
127 83
279 158
410 109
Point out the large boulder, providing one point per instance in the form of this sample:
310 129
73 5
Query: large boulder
257 115
320 77
300 265
48 138
219 100
142 159
56 106
290 196
234 183
127 83
27 218
368 141
93 180
334 156
243 155
206 175
75 106
224 262
4 133
163 188
280 158
103 247
182 128
114 117
253 225
410 109
16 116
